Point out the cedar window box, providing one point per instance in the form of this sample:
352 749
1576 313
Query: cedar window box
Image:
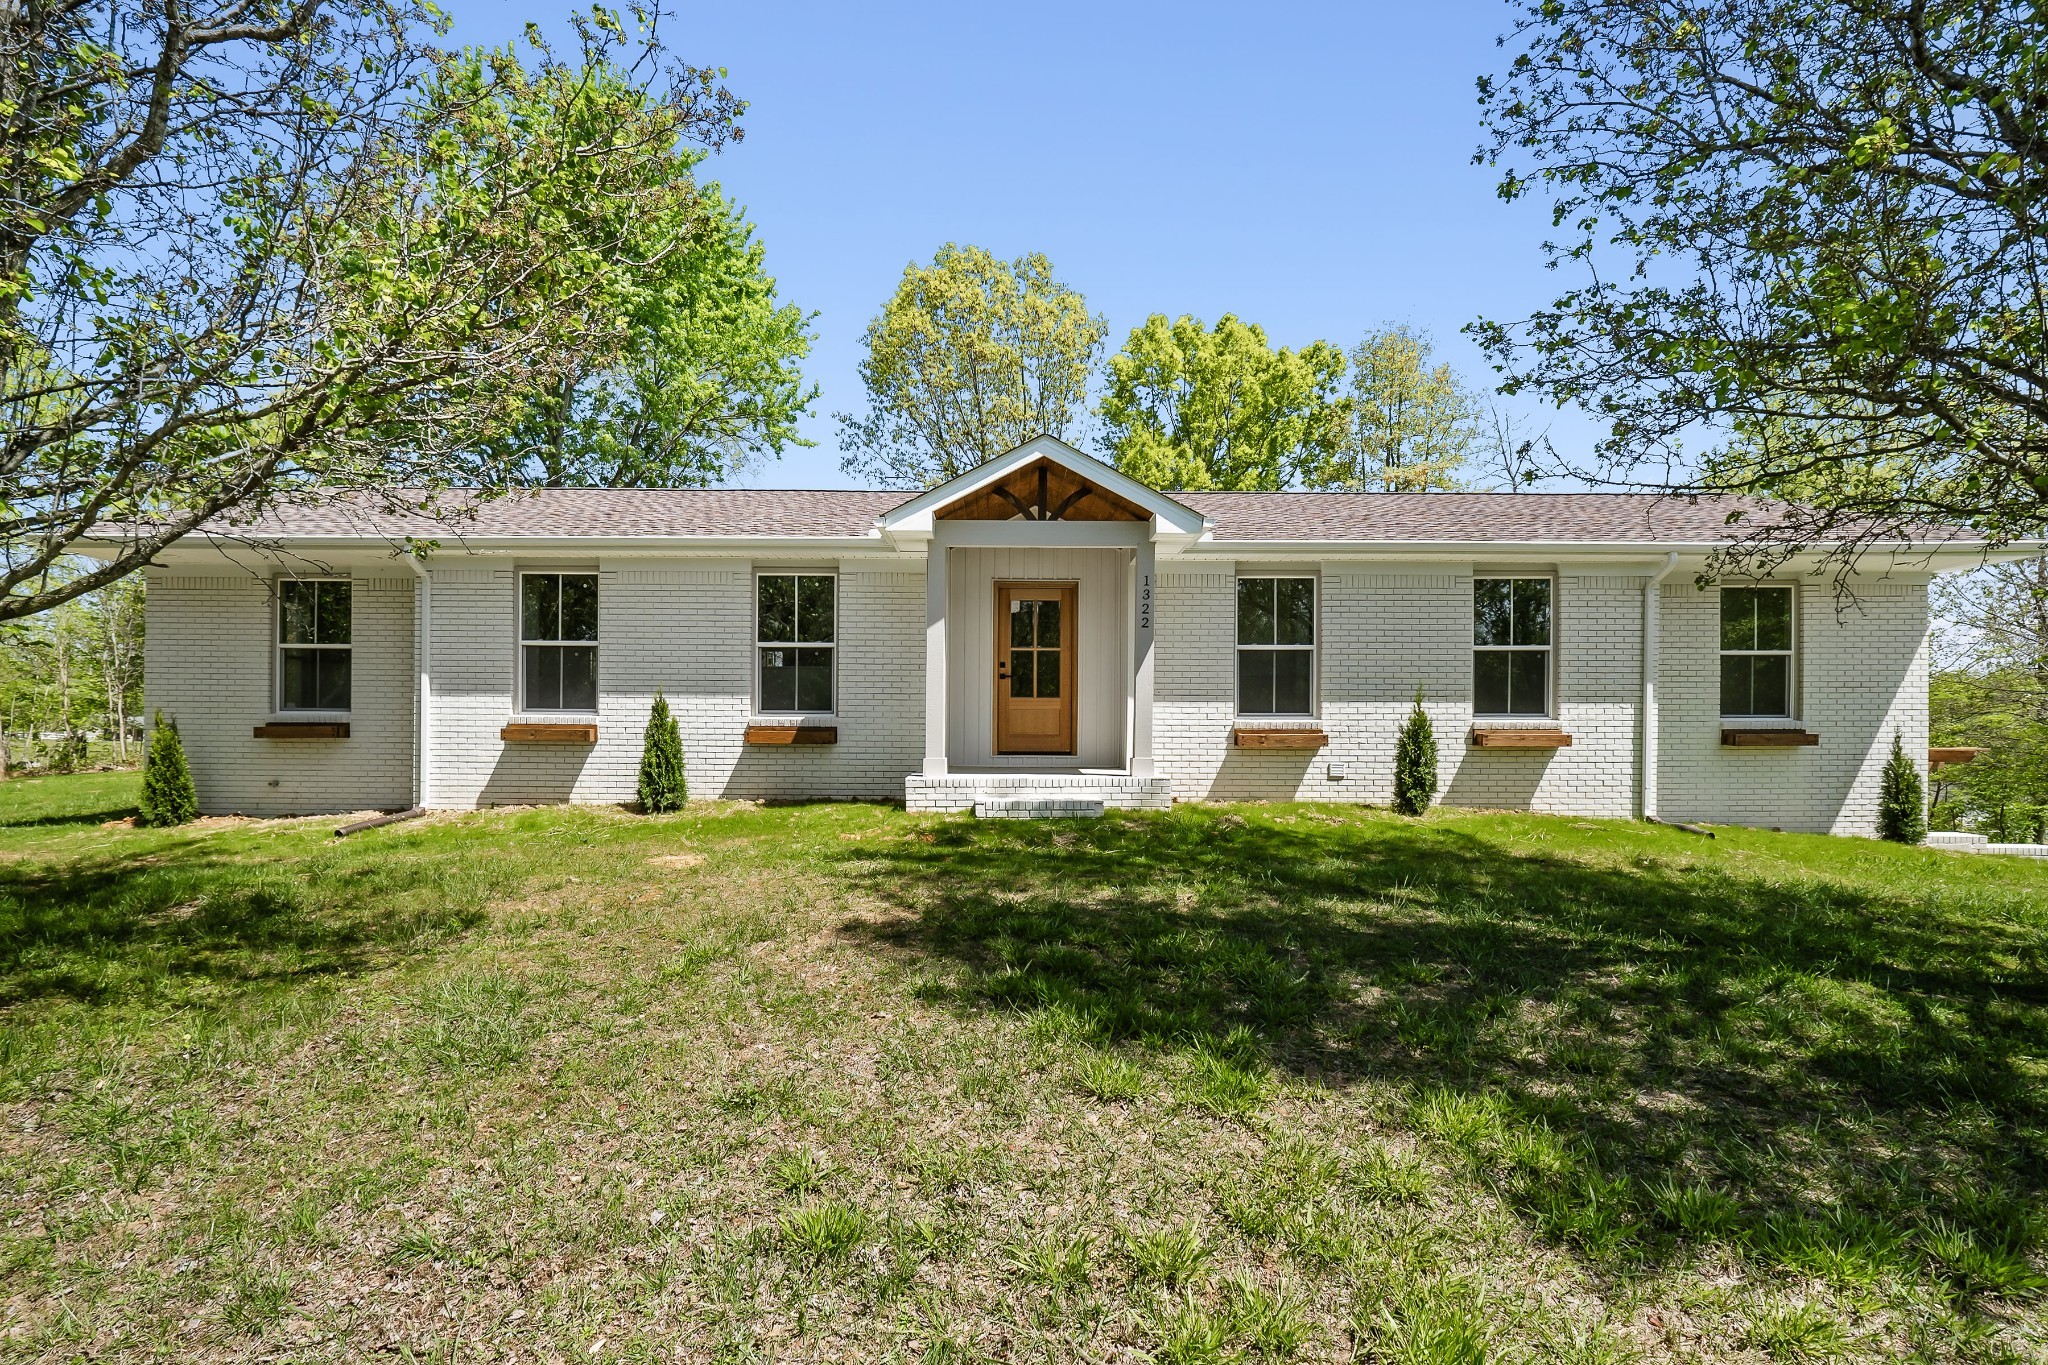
303 729
792 734
1769 739
550 734
1503 738
1279 737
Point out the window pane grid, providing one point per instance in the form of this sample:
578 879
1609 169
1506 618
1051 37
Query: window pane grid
1511 644
558 641
1276 646
1756 651
315 634
795 630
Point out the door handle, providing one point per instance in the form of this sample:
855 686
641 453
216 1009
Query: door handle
1003 671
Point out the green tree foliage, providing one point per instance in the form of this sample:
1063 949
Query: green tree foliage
1415 762
259 251
2003 792
1901 800
167 794
1187 406
1814 226
1410 424
971 357
1989 691
69 674
663 787
706 378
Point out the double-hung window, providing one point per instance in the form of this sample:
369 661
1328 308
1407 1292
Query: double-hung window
314 633
1276 646
1511 646
558 641
1756 651
795 621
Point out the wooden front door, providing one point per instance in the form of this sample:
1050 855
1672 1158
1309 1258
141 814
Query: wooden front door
1035 637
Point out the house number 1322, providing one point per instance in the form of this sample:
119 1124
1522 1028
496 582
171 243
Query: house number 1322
1145 602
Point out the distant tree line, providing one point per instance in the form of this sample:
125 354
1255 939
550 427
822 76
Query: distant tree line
71 682
1989 691
973 355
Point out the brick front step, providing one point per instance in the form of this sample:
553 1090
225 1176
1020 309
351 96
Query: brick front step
969 791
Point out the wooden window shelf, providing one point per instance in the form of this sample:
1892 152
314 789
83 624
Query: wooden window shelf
549 734
1291 737
1768 739
1520 739
303 729
792 734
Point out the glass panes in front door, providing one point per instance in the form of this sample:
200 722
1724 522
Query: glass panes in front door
1035 654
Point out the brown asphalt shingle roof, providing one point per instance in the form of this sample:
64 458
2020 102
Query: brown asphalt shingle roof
683 512
1513 517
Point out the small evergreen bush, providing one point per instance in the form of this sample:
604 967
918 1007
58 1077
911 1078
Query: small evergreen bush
1415 762
662 784
1901 801
167 794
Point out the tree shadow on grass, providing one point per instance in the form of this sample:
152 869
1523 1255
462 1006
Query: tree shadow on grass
114 930
82 818
1637 1050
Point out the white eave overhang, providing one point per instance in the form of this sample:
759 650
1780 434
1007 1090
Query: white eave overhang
1945 558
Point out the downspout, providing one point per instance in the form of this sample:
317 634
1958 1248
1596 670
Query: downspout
423 652
1653 593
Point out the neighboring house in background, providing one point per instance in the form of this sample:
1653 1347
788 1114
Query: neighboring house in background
1042 628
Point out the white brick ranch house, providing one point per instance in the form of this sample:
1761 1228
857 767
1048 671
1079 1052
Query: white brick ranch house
1043 627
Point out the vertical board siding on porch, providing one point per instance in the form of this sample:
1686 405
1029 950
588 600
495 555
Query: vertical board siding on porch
1103 691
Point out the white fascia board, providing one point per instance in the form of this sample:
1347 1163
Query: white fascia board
917 516
1050 535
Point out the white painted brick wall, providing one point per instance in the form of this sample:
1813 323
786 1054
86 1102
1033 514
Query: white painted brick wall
1862 675
208 664
1384 633
685 627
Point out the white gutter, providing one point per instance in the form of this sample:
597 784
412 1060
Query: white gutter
1653 594
423 695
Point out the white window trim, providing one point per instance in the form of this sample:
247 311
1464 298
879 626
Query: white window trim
278 647
1314 650
520 708
1511 719
1790 719
795 571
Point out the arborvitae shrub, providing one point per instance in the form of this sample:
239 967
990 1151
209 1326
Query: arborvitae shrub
1901 801
1415 762
662 785
167 794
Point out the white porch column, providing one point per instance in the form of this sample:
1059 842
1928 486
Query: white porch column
1141 682
935 581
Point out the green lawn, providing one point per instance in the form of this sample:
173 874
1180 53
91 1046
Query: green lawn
834 1082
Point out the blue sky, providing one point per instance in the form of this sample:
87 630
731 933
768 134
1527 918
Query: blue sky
1307 167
